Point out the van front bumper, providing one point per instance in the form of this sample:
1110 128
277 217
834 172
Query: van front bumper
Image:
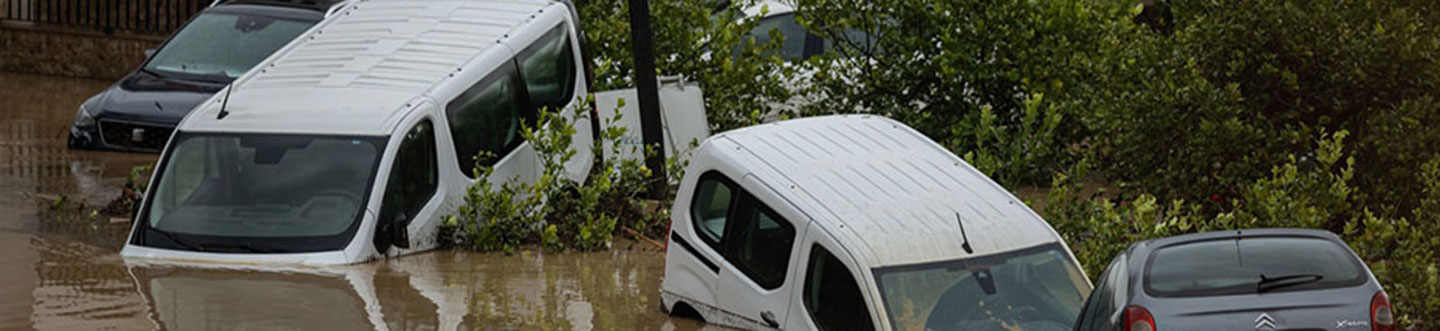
140 253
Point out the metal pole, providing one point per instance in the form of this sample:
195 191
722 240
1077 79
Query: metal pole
643 46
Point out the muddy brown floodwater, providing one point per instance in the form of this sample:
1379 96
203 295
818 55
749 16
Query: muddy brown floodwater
62 271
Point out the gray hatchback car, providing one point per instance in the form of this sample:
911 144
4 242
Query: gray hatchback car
1265 279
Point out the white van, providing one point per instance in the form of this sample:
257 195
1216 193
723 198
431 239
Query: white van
352 142
859 222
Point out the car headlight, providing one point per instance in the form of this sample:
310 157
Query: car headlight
83 117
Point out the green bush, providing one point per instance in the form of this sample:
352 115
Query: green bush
970 74
1240 85
703 40
1399 251
1209 124
555 211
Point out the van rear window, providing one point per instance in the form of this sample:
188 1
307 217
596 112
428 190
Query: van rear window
1250 265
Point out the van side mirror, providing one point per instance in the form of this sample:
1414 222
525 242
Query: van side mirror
399 236
149 53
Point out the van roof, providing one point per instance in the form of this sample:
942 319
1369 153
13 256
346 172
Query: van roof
361 70
890 195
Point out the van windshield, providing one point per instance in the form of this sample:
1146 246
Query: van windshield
260 193
1031 289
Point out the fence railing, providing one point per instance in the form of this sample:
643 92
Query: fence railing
135 17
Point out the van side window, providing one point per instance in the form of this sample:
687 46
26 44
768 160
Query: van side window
548 67
759 243
487 119
832 297
413 177
711 207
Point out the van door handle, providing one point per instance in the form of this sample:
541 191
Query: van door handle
769 318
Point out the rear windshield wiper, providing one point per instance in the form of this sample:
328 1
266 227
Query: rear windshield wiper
1268 284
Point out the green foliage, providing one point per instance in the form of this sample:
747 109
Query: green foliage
974 79
1009 153
1099 228
1399 251
138 179
1209 123
1240 85
1318 198
555 211
703 40
494 217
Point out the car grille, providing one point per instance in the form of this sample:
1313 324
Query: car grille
135 136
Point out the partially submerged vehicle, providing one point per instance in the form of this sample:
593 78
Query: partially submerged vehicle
353 142
859 222
1260 279
219 44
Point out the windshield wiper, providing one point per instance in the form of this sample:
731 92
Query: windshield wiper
181 242
1268 284
241 247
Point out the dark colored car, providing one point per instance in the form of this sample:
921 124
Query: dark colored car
219 44
1265 279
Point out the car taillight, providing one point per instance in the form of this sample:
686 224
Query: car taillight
1381 317
666 249
1138 319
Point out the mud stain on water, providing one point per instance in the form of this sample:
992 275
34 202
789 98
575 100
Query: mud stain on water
62 271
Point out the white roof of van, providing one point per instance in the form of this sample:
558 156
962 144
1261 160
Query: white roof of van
872 181
356 72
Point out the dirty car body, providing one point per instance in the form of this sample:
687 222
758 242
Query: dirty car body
329 154
859 222
1262 279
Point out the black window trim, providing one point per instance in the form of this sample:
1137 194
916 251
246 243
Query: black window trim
735 193
509 69
854 277
727 247
685 244
1360 279
434 157
732 248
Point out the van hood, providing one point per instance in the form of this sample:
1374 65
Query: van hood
146 97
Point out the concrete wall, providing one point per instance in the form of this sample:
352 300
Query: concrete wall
71 54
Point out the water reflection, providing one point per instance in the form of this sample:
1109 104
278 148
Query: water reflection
34 163
73 285
433 291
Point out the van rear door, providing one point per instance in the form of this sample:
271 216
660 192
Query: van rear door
682 111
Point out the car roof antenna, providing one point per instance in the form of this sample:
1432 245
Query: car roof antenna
224 101
966 245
